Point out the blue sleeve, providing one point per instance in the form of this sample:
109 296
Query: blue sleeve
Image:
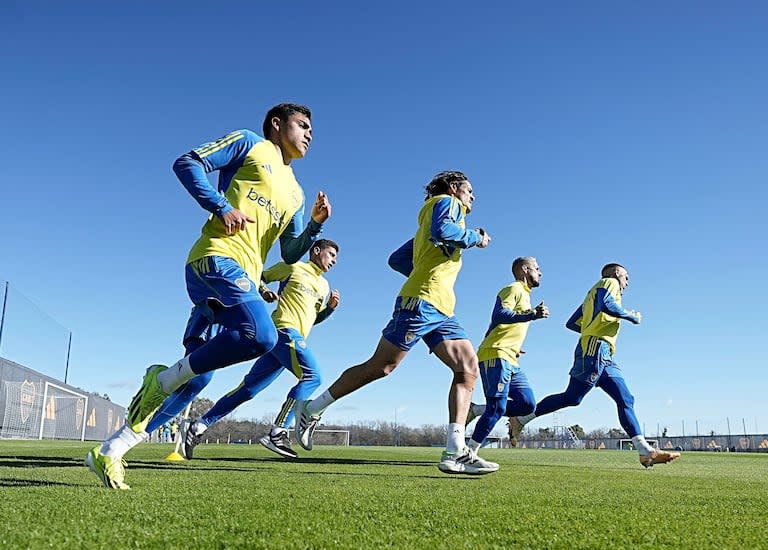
228 152
294 244
608 305
574 322
504 316
401 260
445 228
323 315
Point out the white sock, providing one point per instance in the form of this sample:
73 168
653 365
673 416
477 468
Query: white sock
455 441
174 376
527 418
122 441
642 446
318 406
198 427
474 445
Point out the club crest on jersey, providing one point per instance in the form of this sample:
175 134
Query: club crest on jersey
244 284
302 344
409 337
593 377
500 387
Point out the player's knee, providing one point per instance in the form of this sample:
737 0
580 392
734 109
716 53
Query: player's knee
496 409
629 400
526 403
311 380
465 378
257 340
573 400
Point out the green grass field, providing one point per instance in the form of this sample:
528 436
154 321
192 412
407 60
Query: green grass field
242 496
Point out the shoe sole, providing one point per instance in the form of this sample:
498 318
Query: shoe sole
275 449
470 472
139 425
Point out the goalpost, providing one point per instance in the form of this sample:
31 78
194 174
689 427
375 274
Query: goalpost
627 445
55 412
63 413
331 437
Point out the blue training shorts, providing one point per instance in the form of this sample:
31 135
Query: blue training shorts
221 279
417 320
589 365
497 375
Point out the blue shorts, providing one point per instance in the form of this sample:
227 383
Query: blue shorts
497 375
589 366
417 320
220 279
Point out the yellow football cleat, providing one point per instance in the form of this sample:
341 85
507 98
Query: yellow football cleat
658 457
111 471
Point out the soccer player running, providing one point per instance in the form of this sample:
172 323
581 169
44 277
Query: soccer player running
258 201
424 310
305 300
507 390
598 322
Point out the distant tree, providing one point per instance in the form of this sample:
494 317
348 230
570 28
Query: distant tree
597 434
545 433
200 406
664 432
617 433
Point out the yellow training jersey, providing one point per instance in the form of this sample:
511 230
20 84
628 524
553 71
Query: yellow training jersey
436 263
505 340
258 184
303 294
595 322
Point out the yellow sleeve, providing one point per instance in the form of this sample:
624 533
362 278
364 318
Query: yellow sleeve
278 272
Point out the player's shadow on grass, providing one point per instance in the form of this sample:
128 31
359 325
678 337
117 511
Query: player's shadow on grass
40 462
325 460
23 483
199 466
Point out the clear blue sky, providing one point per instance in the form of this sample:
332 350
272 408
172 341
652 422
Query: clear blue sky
592 132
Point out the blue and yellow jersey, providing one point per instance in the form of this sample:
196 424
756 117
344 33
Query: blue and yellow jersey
512 313
253 179
303 295
601 314
437 253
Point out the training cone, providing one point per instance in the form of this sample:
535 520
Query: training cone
175 456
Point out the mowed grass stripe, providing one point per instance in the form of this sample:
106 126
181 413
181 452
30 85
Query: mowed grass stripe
243 496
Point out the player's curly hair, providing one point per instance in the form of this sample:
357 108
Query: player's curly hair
442 182
283 111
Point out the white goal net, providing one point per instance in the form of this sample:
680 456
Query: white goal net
43 411
331 437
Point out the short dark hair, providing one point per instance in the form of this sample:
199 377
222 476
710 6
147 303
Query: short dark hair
608 269
442 182
325 243
518 263
283 111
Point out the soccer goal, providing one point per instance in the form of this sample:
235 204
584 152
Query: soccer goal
627 445
331 437
63 413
